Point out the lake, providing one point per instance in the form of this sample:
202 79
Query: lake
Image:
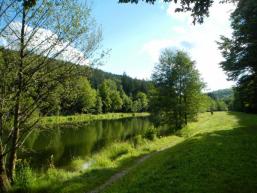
63 143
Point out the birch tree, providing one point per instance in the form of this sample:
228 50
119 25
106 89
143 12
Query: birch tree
38 33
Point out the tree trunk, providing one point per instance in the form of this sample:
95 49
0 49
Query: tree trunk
4 182
185 115
16 125
13 154
185 118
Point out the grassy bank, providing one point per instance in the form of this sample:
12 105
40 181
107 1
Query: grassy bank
88 117
77 179
217 155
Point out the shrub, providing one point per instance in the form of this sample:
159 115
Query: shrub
137 140
24 177
151 133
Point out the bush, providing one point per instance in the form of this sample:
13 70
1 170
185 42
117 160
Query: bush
24 177
137 140
151 133
69 118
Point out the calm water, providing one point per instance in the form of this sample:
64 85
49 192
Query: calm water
66 142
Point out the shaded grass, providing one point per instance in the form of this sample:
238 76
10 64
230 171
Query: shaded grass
218 155
88 117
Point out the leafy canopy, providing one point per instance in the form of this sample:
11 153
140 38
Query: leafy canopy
198 8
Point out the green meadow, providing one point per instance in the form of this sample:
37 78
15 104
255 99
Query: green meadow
217 153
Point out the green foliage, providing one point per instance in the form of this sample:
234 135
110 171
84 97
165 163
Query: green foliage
142 101
106 90
221 94
78 96
239 53
137 140
127 103
130 86
222 100
199 8
221 105
99 104
24 176
116 101
177 97
151 133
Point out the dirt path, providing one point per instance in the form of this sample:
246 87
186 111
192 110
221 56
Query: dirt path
124 172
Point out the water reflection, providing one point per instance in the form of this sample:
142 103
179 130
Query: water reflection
62 143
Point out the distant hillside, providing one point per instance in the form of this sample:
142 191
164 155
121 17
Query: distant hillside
222 94
131 86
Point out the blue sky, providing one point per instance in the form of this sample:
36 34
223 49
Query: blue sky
137 33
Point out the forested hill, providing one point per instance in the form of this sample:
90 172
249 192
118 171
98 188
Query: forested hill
131 86
222 94
95 91
83 90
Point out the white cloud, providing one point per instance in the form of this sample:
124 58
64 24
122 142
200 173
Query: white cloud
42 40
199 41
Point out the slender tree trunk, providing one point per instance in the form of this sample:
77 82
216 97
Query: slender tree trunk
15 136
180 103
4 182
16 125
185 115
176 121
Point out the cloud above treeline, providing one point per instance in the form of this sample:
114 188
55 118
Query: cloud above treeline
43 42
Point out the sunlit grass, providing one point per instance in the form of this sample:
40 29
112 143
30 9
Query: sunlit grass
88 117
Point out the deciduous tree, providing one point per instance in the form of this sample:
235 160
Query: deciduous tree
43 32
239 53
176 99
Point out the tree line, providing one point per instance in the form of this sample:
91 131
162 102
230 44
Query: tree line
79 95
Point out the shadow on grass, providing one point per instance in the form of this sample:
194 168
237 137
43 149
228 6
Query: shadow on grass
245 119
219 162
